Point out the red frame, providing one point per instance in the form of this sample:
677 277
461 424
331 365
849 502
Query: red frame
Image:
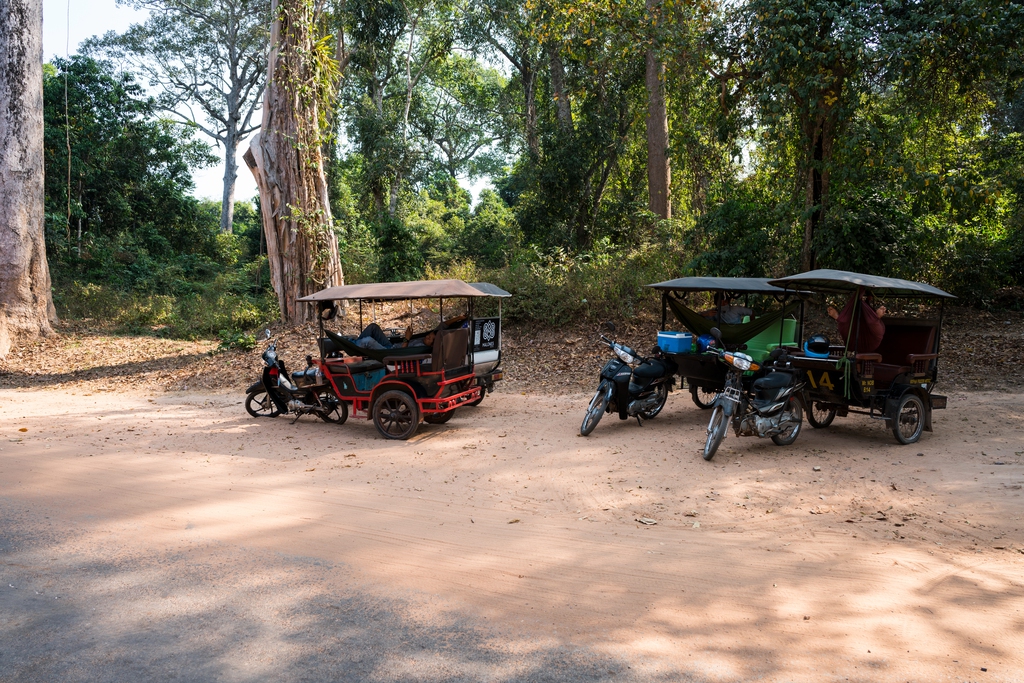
362 401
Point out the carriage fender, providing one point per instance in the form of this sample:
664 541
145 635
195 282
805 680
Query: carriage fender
388 385
892 403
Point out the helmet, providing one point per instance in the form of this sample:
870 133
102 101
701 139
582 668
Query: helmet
816 346
705 342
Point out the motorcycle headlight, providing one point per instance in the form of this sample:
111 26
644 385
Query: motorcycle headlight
740 361
624 355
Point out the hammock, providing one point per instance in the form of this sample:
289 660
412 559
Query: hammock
352 349
732 335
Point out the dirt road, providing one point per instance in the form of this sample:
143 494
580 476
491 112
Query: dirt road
170 536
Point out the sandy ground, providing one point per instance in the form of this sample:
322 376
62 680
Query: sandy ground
167 536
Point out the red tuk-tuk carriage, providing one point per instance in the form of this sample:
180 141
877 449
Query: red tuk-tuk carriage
894 380
397 387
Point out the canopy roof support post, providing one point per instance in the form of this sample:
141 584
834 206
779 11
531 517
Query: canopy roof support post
664 309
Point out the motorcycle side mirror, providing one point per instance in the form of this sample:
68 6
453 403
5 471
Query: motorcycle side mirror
775 354
266 333
610 326
717 334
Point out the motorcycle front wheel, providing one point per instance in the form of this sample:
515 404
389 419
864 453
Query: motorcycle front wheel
259 404
716 431
662 391
598 405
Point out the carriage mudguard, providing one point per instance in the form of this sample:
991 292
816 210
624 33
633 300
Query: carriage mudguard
390 384
892 402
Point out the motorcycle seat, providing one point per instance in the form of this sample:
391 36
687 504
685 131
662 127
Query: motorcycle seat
651 369
774 380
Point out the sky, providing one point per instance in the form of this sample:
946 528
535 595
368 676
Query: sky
95 17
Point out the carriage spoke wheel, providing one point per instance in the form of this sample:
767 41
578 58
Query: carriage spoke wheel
439 418
703 398
908 422
819 414
396 415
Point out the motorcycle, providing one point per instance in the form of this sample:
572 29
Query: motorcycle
769 406
630 384
305 393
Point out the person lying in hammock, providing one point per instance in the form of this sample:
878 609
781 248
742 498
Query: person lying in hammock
373 337
872 328
730 315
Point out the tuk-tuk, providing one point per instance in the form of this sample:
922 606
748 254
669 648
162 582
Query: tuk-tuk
766 322
886 372
397 387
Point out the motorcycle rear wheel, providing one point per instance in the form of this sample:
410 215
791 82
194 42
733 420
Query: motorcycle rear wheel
259 404
717 427
797 412
662 398
338 413
595 411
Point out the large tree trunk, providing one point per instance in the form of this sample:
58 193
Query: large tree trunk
559 93
227 203
287 161
26 303
659 173
819 133
529 77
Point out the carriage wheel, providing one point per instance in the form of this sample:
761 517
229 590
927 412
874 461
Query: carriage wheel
704 398
820 415
908 422
396 415
439 418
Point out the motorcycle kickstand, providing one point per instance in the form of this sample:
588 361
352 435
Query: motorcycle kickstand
639 421
297 416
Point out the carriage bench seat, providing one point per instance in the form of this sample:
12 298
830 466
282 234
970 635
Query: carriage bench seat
367 365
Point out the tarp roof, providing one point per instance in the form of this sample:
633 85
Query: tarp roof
825 280
382 291
737 285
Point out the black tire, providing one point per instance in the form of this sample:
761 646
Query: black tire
259 404
717 427
820 415
795 409
662 397
908 421
596 409
703 398
338 410
396 415
438 418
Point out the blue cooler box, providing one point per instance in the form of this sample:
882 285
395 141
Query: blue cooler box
675 342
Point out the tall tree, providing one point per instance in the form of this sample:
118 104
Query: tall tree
210 54
659 172
286 158
26 305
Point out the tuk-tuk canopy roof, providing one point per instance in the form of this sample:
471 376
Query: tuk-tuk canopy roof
736 285
490 290
825 280
390 291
